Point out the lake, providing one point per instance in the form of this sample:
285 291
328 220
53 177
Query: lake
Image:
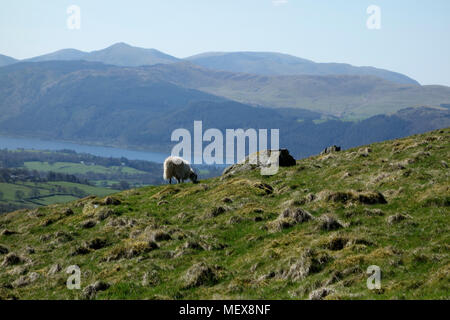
37 144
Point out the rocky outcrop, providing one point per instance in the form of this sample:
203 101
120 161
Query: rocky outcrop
261 159
331 149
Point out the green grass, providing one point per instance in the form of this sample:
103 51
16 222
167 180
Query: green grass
55 199
49 192
249 257
74 168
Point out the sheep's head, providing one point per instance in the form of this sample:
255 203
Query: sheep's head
193 176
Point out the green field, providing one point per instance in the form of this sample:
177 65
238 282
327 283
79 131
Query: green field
80 168
45 193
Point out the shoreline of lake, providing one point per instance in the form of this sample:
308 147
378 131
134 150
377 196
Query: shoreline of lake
15 143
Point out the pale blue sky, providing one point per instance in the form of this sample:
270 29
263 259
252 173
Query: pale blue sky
414 35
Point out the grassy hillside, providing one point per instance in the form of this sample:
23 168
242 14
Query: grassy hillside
309 231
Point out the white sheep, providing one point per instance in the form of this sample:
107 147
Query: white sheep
178 168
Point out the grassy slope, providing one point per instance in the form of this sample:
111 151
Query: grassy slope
250 259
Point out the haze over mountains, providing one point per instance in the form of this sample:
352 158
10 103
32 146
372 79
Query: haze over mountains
134 98
119 54
139 107
263 63
5 60
346 96
269 63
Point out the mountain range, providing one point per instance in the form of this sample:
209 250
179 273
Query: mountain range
133 97
269 63
261 63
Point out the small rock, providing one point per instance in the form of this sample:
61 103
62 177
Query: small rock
19 270
88 224
104 213
24 281
267 276
97 243
101 286
7 232
80 251
33 276
396 218
3 250
364 152
374 212
336 243
331 149
111 201
319 294
30 250
12 259
47 222
371 197
310 197
329 223
200 274
346 175
234 220
151 279
215 212
68 212
227 200
254 267
298 215
63 237
192 245
159 235
54 269
91 290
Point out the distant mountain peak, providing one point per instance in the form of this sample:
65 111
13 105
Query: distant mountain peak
120 45
5 60
120 54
